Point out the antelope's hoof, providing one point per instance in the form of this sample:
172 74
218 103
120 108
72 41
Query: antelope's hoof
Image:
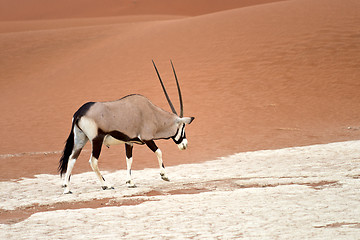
107 188
130 184
68 192
164 177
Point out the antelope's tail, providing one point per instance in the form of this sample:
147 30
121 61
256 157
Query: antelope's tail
69 145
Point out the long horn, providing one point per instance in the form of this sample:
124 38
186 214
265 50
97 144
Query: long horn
163 87
179 92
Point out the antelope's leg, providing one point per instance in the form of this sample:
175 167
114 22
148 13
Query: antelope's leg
129 160
80 140
96 149
151 144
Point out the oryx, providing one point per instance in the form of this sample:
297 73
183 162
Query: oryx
131 119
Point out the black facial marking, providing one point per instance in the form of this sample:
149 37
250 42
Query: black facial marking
177 141
182 135
177 130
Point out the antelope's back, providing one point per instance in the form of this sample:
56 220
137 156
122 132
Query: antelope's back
133 115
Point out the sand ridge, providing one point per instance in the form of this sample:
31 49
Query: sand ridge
256 74
260 77
17 10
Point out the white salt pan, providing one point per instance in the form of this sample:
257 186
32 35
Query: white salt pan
295 193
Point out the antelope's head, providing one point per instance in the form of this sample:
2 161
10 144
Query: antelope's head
180 137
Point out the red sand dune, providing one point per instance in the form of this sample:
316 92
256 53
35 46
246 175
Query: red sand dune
258 77
16 10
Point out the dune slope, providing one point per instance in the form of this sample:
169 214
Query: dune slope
260 77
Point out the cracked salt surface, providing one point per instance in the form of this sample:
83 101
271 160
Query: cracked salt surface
294 193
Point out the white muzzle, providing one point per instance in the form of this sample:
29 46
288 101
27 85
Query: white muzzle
183 144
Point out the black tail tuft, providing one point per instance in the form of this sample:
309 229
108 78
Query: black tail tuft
69 145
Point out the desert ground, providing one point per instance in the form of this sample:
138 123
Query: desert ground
274 88
293 193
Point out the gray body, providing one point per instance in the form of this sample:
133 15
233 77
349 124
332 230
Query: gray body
135 116
131 119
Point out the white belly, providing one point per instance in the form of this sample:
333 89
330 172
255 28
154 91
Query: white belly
109 140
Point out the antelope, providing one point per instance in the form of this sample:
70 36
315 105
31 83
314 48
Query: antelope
132 119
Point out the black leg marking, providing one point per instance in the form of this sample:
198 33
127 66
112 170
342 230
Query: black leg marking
151 144
128 149
130 186
76 153
107 188
164 177
96 146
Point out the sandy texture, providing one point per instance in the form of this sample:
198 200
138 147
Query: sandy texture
298 193
43 9
264 76
256 74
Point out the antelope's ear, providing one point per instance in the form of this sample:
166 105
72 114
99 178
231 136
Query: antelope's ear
186 120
